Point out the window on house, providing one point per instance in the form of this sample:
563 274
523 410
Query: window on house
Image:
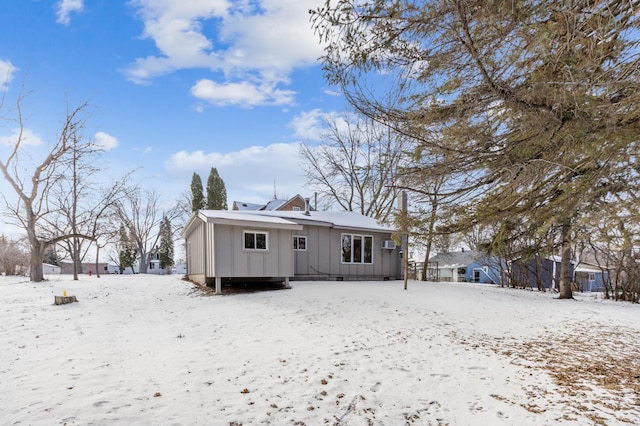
296 208
299 243
255 240
357 248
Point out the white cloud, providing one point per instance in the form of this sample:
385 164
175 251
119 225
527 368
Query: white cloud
105 141
262 41
65 8
278 37
242 93
145 150
27 138
249 174
7 71
309 125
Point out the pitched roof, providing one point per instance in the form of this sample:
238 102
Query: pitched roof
274 204
240 205
336 219
290 219
234 217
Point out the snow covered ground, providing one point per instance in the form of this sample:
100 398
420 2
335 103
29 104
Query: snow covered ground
155 350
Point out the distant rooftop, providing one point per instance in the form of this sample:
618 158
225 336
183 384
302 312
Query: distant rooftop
295 203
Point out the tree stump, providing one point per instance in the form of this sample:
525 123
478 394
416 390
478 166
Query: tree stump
62 300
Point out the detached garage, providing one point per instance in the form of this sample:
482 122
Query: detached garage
231 246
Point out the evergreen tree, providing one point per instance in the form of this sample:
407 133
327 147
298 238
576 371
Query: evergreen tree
527 111
127 255
216 191
166 244
51 256
197 193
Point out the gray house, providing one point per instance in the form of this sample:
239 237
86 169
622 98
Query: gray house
341 246
283 245
225 245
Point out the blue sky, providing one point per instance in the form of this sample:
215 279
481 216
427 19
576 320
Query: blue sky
174 86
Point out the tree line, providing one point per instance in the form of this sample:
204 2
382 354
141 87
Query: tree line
513 125
62 206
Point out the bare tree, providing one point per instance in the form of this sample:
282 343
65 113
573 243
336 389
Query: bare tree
141 213
14 257
538 102
82 207
355 166
33 190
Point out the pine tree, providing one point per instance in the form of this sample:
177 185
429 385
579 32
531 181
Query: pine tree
51 256
216 191
528 111
166 244
127 254
197 193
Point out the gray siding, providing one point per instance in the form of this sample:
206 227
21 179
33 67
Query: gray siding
232 261
323 257
195 254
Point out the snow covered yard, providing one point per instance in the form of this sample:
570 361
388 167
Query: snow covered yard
154 350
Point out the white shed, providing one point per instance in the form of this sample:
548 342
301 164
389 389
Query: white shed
49 269
231 245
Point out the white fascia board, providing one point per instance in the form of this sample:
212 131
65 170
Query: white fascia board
255 223
369 229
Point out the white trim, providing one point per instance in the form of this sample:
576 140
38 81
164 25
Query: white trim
255 240
364 237
299 238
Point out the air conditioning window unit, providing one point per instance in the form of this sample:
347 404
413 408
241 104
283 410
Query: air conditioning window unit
389 244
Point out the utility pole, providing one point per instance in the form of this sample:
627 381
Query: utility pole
404 229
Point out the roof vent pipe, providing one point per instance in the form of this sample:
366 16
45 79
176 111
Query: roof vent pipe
306 207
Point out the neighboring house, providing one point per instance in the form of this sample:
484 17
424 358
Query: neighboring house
589 278
112 269
86 267
283 245
154 266
239 205
545 272
466 266
296 203
538 272
180 268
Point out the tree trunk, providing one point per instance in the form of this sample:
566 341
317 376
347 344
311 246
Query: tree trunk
538 272
75 254
432 221
143 264
565 265
427 254
97 259
35 260
144 258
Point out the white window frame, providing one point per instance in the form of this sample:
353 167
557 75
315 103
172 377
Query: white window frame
296 242
255 240
363 239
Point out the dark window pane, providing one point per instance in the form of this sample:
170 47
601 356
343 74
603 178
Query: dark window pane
261 241
368 249
249 240
302 243
346 248
357 249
